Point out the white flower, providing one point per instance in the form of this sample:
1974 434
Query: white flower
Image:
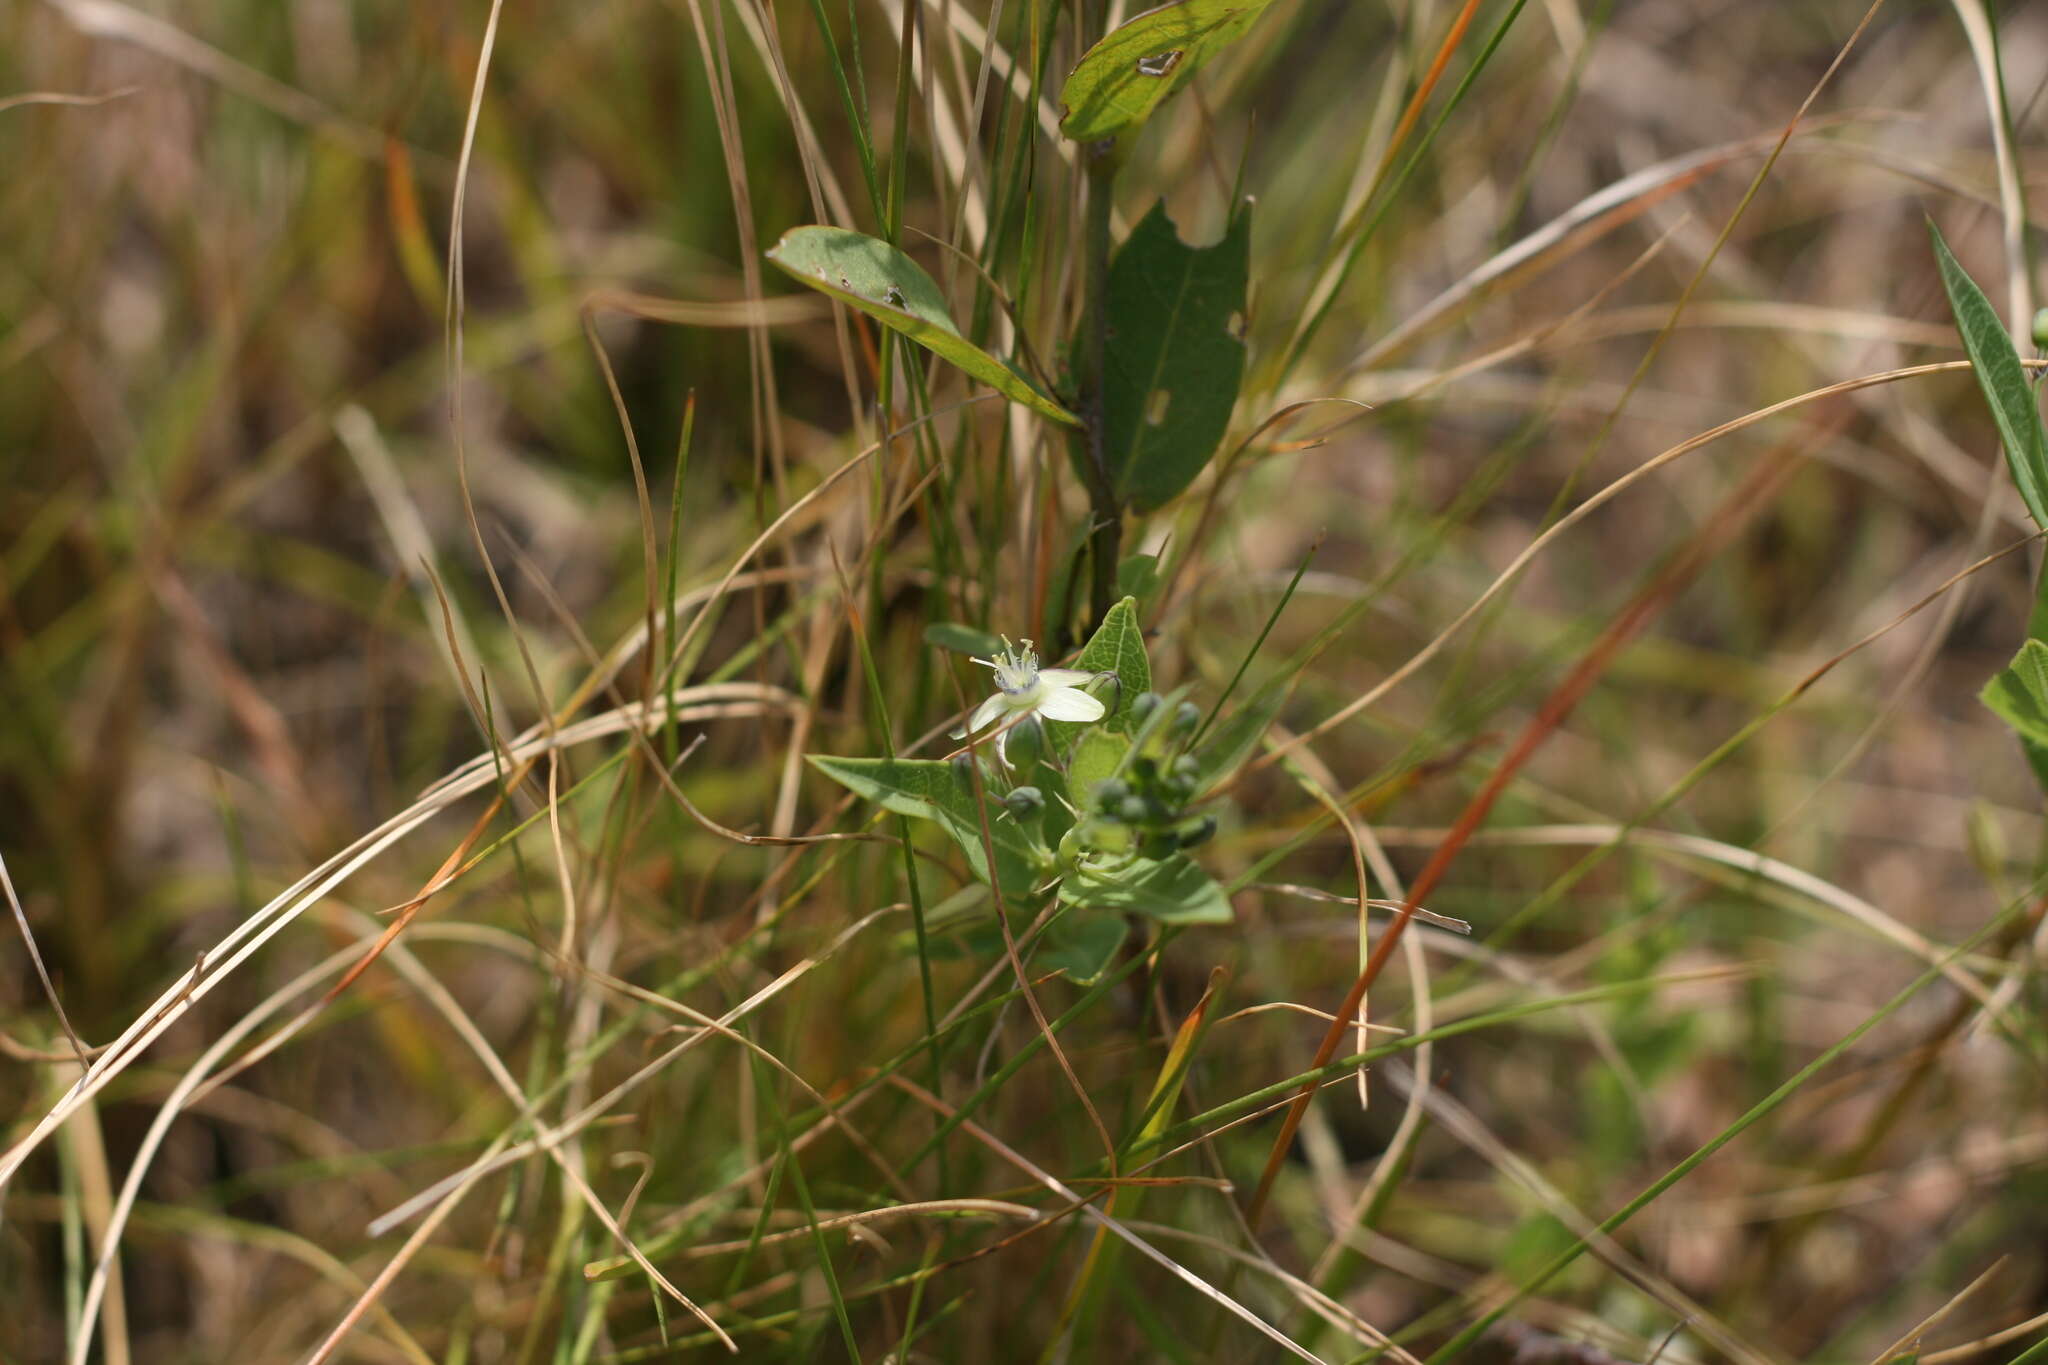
1024 689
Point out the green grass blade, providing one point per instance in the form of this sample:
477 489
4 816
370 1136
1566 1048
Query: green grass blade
2001 376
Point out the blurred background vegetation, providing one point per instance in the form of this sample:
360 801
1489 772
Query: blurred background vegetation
240 527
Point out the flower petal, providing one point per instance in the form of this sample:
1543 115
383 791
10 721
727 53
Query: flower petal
989 709
1064 677
1070 703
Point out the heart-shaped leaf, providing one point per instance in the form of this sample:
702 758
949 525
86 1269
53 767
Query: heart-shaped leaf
867 273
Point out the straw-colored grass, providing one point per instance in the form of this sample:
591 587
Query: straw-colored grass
431 542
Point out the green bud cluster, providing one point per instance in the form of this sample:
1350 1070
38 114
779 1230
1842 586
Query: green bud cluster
1147 808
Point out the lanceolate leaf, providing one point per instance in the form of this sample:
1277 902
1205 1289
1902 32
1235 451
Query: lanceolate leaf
932 789
1117 646
1175 356
887 285
2002 377
2019 694
1120 80
980 644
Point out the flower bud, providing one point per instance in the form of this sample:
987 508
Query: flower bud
1193 836
1159 844
1186 717
1110 794
1134 810
1026 744
1100 836
1148 702
1025 803
2041 329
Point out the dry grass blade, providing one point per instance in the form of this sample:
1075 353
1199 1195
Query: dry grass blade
63 99
406 820
1757 490
125 23
257 929
78 1049
1087 1209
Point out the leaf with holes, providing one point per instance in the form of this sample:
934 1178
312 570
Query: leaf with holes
869 274
1122 79
1175 355
2002 377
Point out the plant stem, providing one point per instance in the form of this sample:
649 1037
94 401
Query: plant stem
1105 535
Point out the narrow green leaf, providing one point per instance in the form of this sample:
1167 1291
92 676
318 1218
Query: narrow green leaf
1170 379
2033 1355
961 639
1233 739
1138 576
931 789
867 273
2002 377
1122 79
1171 890
2019 693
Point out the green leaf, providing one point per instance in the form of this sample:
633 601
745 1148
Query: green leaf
1095 758
1171 890
887 285
1171 375
2002 377
961 639
930 789
1117 646
1138 576
2019 693
1233 739
1083 943
1122 79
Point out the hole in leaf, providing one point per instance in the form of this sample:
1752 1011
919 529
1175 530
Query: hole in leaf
1155 406
1235 324
1160 64
894 297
